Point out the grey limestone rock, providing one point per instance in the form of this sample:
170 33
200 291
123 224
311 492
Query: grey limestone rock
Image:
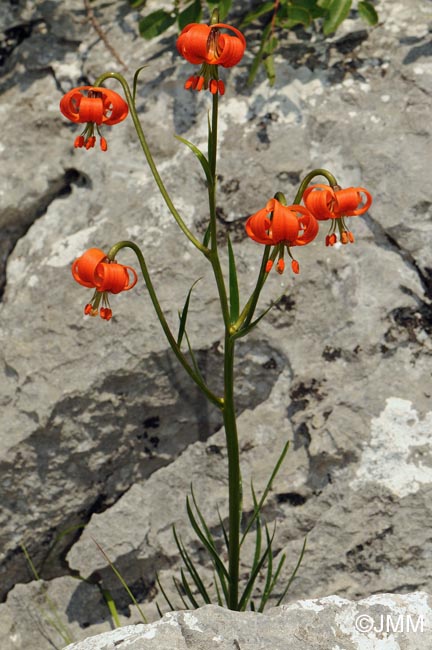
385 621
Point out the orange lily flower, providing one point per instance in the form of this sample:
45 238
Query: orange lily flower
94 270
282 226
208 46
327 202
95 106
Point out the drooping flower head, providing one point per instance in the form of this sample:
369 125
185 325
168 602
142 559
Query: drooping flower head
284 227
94 106
94 270
207 46
327 202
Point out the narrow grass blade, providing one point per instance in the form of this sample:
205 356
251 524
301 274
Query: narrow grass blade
184 313
294 573
111 606
266 491
167 600
233 284
122 581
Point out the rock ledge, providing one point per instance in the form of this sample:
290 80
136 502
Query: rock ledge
383 621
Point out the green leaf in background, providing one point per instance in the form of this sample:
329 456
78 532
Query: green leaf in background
192 14
256 13
338 10
295 15
368 13
155 23
136 4
223 5
324 4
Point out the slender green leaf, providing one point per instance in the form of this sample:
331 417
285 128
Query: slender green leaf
192 14
155 23
338 10
191 568
180 591
264 8
368 13
233 284
258 535
224 532
201 157
135 81
136 4
253 576
194 361
188 590
268 591
218 594
183 315
294 573
324 4
257 510
269 572
208 542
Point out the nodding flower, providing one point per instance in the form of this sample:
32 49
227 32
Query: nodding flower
282 226
93 106
326 202
207 46
94 270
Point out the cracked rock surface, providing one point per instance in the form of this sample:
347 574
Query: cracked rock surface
381 621
100 433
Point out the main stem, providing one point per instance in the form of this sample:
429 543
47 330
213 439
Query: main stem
228 409
234 474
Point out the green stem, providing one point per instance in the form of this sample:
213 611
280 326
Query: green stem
150 161
234 474
161 316
213 254
307 179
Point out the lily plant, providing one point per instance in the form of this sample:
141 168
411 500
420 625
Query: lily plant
278 228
